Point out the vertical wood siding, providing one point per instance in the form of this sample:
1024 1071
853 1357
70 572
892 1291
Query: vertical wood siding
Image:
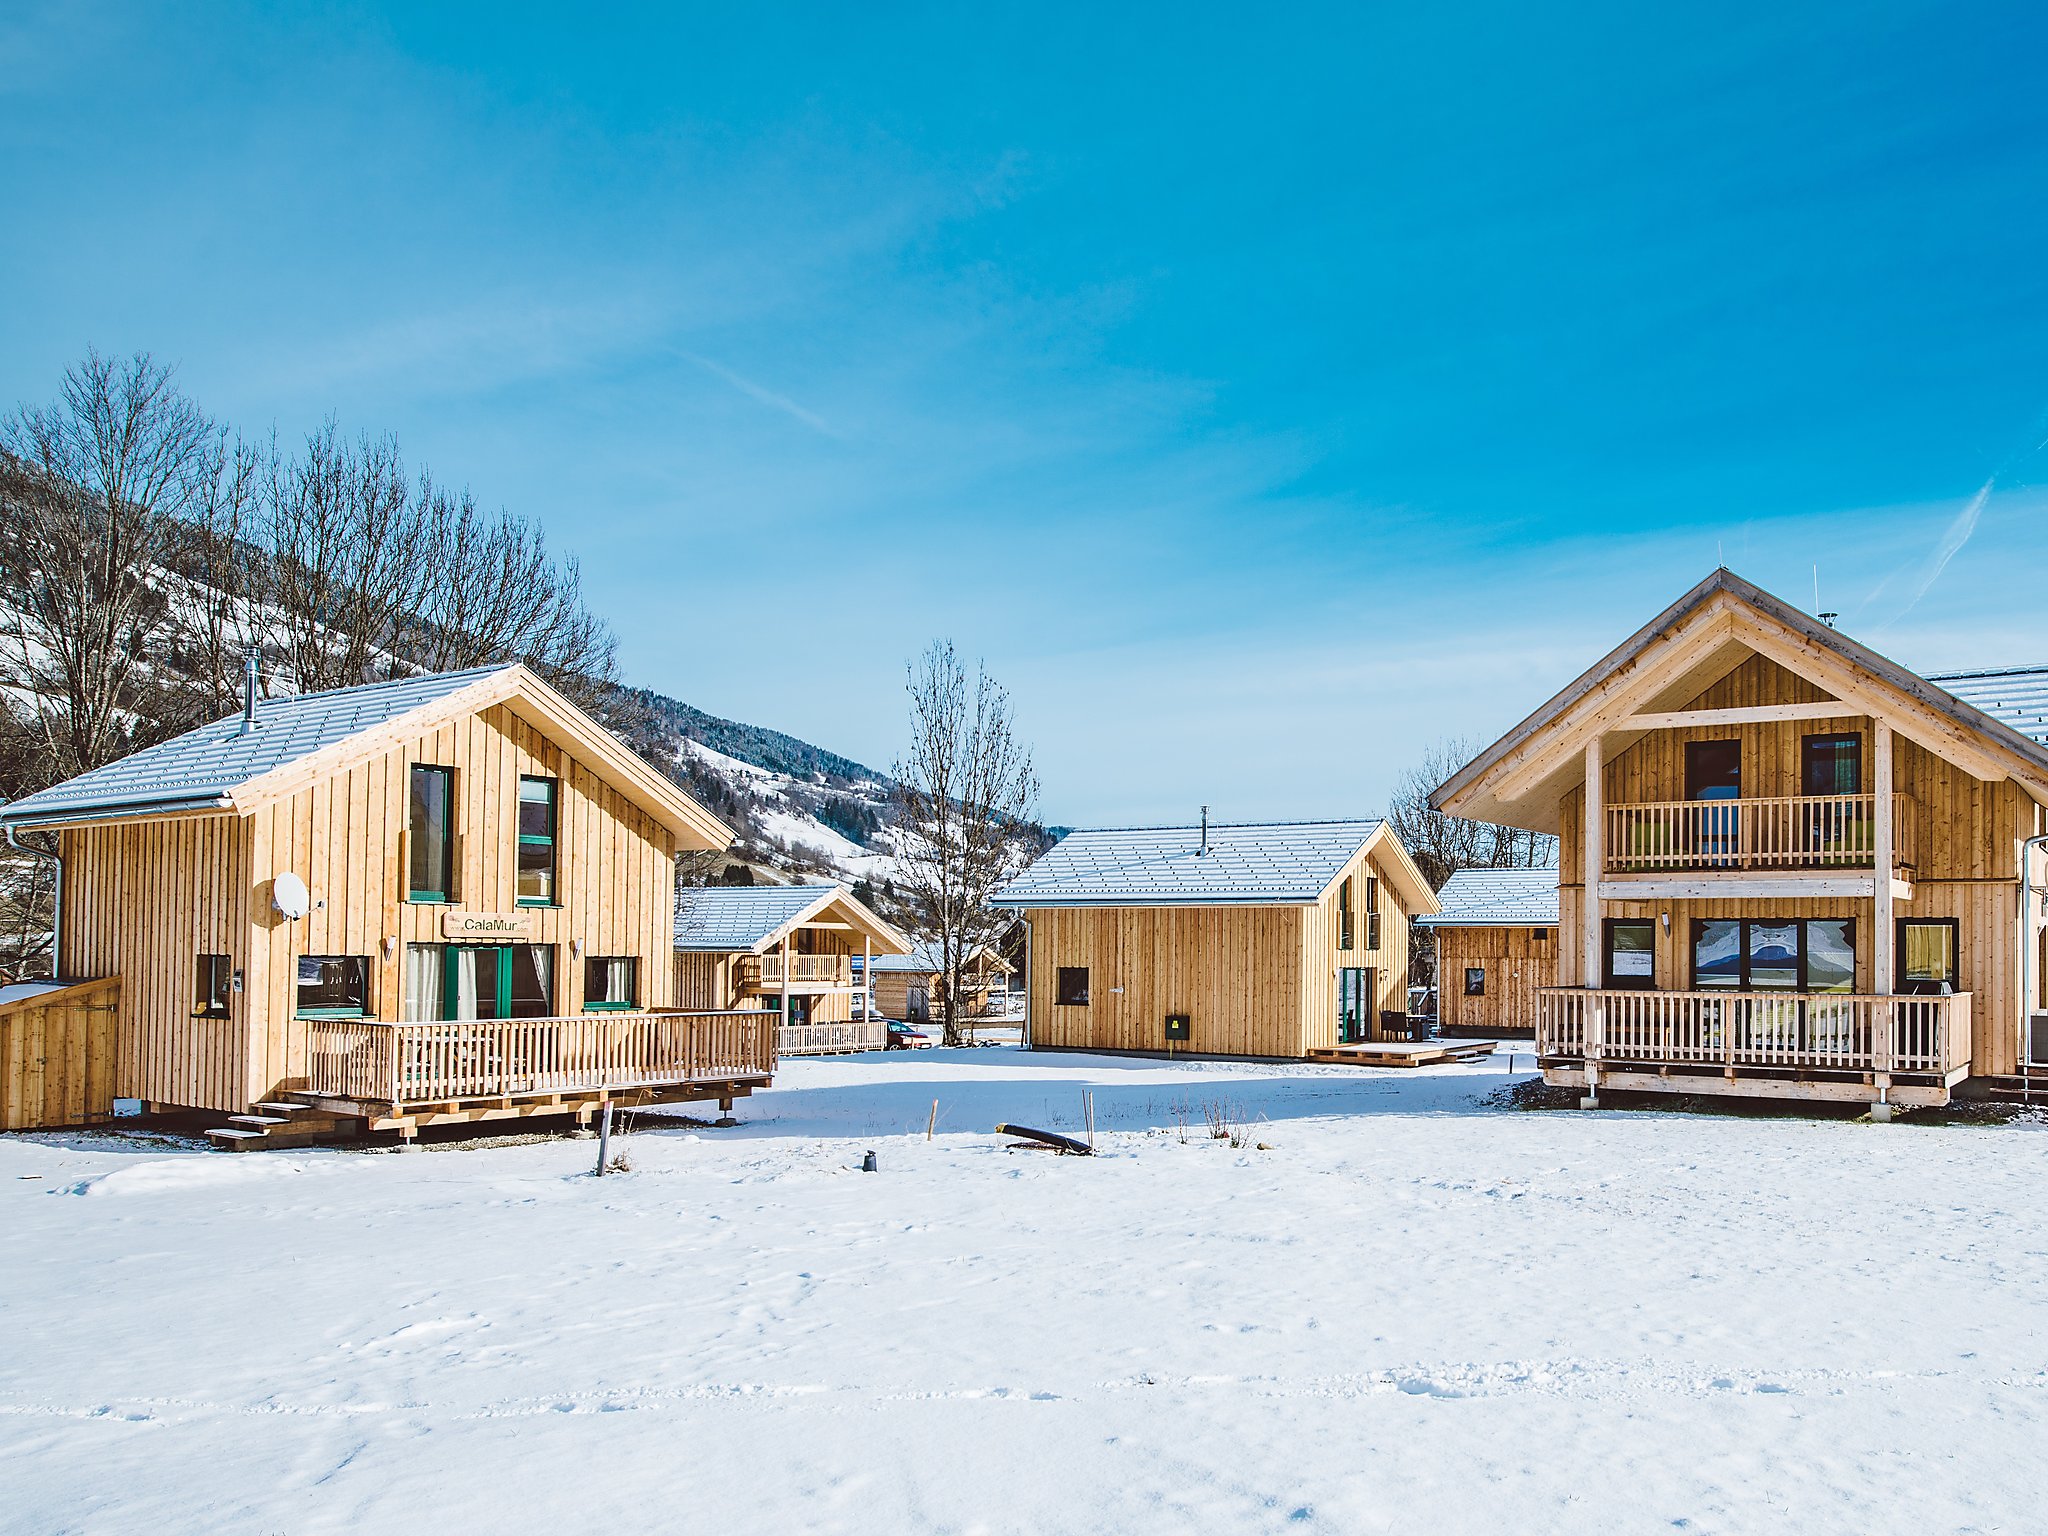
1516 964
58 1057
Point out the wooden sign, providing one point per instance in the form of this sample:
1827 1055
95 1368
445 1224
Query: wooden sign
483 927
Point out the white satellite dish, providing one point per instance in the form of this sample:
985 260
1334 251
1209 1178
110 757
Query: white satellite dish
289 895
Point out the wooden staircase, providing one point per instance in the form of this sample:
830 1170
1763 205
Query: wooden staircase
277 1123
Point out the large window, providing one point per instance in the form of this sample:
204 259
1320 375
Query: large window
215 980
1073 986
536 842
1773 954
533 981
1631 953
611 981
334 986
1928 956
432 827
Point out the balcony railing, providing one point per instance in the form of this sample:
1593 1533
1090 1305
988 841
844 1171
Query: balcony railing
1790 832
441 1062
1828 1031
827 970
828 1039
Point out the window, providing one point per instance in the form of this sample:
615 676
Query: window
334 986
1831 765
1344 913
1773 954
1631 953
432 829
1713 770
1073 986
425 975
1372 912
216 979
1928 957
611 981
1539 935
536 842
533 981
1475 981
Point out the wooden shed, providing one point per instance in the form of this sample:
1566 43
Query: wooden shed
1496 945
1272 939
435 898
1789 866
803 951
910 986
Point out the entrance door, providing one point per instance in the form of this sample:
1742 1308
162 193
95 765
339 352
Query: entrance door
1354 992
1713 771
917 1005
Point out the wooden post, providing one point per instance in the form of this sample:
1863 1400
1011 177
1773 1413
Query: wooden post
1593 857
786 1021
604 1138
867 983
1881 958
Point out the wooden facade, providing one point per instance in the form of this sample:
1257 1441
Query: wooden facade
145 898
1251 980
59 1055
1511 962
1921 821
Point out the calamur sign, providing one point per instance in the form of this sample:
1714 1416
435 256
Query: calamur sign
486 925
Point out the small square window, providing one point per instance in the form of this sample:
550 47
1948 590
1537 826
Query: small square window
334 986
214 982
1475 981
1073 986
611 981
1539 935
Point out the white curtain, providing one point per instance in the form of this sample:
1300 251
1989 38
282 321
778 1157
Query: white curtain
466 963
423 976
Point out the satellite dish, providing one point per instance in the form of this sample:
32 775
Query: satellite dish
289 895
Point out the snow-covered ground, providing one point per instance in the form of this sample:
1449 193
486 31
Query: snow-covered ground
1414 1310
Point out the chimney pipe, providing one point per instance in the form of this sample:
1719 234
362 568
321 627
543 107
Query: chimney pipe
1205 833
252 664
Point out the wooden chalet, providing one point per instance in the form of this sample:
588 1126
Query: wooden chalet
911 987
1275 939
803 951
434 899
1496 948
1789 866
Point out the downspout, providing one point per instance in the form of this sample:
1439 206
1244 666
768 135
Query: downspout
2030 944
56 897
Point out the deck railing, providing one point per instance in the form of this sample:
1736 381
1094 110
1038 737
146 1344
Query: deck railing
440 1062
822 1039
833 970
1836 1031
1787 832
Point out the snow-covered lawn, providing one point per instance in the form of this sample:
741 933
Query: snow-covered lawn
1414 1311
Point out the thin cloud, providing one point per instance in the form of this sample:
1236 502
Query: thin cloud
768 397
1952 541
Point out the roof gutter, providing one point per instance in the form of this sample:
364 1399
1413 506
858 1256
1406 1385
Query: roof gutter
118 811
56 894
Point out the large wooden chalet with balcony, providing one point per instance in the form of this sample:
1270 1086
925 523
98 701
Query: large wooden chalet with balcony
433 899
1789 866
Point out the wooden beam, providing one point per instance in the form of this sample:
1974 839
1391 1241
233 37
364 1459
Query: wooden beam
1887 836
1759 714
1780 887
1594 852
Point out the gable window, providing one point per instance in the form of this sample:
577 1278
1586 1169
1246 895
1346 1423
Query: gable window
1344 913
1772 954
431 829
1475 981
611 981
215 980
1073 986
1630 958
1372 911
1928 957
334 986
536 842
1831 765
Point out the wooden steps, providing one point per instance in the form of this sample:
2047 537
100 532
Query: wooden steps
1403 1053
277 1123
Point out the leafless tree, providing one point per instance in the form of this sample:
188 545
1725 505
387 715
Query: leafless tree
968 796
91 492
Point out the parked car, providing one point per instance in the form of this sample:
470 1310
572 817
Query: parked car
906 1037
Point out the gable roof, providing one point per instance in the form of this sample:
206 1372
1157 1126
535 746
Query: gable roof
1520 779
2017 696
1291 863
727 919
1497 898
300 738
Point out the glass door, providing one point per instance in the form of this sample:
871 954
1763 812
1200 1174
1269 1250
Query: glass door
499 981
1350 1004
1713 771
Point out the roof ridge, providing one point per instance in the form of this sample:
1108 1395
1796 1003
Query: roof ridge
1238 826
381 682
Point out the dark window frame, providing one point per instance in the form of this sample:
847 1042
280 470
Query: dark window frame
1808 746
552 841
1478 988
1372 911
1955 949
213 986
1608 979
420 894
1064 987
333 1011
1539 935
1344 934
1804 983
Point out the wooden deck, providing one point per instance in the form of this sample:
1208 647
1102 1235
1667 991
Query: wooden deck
1403 1053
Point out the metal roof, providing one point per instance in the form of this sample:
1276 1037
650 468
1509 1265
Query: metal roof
2014 696
1288 863
726 918
1497 898
205 766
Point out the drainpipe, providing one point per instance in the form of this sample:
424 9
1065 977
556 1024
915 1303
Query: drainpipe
2030 982
56 897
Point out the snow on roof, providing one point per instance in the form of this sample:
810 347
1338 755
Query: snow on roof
206 765
1283 863
1497 898
726 918
2013 696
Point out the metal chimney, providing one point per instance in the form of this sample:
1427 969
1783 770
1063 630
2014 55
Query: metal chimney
1202 852
252 670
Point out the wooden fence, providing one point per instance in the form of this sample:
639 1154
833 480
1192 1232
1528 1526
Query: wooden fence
57 1056
1790 1030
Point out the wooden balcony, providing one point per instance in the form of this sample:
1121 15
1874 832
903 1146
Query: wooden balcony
404 1067
764 972
1723 1041
1795 832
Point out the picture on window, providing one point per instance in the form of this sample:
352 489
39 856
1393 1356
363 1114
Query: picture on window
1475 981
1073 986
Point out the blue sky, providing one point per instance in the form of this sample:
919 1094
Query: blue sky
1263 397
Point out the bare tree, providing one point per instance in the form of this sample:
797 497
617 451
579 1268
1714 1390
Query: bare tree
968 797
91 491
